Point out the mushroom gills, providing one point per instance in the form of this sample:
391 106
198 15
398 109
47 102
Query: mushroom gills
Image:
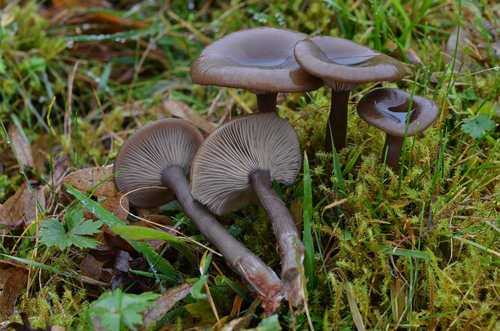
234 168
160 154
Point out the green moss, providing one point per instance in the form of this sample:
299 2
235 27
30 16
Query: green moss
58 308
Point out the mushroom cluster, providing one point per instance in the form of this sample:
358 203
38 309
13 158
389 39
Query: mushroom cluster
343 65
235 166
268 61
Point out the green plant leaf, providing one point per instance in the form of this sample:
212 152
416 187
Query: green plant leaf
122 311
196 290
53 233
269 324
477 126
386 249
3 67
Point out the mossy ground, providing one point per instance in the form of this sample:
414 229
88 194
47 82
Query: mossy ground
415 250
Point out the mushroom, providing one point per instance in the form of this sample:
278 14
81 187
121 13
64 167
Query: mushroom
160 154
234 168
399 114
259 60
343 65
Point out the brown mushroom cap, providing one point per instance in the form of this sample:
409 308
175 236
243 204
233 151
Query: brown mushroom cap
259 60
387 110
344 64
148 152
222 166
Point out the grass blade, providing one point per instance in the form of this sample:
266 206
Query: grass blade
307 235
140 233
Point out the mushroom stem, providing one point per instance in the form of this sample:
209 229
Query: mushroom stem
392 151
248 265
337 121
266 102
287 236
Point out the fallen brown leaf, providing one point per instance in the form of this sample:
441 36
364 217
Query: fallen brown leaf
165 302
7 267
12 288
61 168
41 150
457 41
244 321
98 178
413 57
22 206
21 146
398 298
181 110
91 267
112 261
117 205
112 23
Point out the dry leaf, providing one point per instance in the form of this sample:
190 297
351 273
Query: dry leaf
161 219
117 205
181 110
240 323
413 57
7 267
22 206
91 267
112 260
244 321
61 168
12 288
21 146
398 298
98 178
40 150
165 302
74 15
458 39
356 314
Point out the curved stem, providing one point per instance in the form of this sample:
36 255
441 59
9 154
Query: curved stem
336 127
248 265
266 102
392 148
287 236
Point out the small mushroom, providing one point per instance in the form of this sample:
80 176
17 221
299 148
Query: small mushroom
160 154
234 168
343 65
399 114
259 60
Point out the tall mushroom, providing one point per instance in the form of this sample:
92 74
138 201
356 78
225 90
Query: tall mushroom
259 60
160 154
343 65
234 168
399 114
